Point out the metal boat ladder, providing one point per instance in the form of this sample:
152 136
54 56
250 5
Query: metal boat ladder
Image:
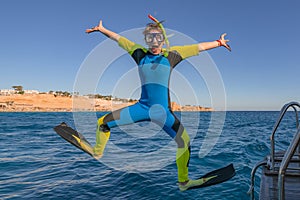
278 163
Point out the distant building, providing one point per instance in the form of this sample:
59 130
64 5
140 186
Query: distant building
31 92
13 91
7 91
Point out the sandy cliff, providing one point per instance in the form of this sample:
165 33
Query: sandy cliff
50 103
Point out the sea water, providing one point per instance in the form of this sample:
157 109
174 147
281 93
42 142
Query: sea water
36 163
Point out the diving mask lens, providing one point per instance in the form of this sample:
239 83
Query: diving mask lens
149 37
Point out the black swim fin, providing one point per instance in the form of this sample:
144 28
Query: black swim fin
215 177
74 137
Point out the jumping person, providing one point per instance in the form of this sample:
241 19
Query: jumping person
155 65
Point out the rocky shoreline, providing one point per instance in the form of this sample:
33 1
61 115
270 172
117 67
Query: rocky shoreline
53 103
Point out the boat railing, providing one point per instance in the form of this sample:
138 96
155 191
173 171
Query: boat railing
288 155
282 113
285 162
251 189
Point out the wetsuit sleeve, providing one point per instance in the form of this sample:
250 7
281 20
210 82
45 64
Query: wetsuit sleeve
128 45
186 51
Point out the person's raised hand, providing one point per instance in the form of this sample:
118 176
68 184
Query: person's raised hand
224 42
96 28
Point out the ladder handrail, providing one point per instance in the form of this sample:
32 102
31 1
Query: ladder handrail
251 189
282 113
285 162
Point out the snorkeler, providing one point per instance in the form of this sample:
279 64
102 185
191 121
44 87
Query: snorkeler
155 65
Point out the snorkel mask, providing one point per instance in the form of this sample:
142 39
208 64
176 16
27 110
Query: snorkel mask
158 36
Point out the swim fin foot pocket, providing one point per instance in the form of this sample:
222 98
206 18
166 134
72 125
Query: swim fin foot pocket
211 178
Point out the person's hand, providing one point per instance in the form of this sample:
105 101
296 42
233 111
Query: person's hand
223 41
96 28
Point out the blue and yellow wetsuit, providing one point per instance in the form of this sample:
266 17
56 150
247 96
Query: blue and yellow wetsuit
154 103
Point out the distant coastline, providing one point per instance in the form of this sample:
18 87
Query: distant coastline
45 102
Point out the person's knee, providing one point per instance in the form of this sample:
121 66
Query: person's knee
101 120
103 127
182 139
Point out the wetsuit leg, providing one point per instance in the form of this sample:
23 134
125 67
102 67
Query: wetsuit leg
183 155
102 136
176 130
128 115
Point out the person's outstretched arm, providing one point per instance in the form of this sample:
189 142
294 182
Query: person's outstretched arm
210 45
112 35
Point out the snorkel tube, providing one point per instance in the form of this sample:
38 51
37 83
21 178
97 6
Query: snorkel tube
163 31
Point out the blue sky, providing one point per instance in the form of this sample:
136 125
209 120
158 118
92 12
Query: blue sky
43 43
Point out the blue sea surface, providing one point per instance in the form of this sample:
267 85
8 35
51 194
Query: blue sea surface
36 163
